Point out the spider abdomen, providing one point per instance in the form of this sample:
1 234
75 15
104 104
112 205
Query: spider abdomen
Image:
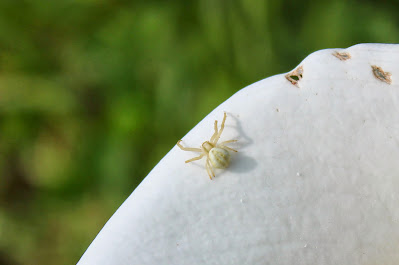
219 157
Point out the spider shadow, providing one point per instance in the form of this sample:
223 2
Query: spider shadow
243 139
240 163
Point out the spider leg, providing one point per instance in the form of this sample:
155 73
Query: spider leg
229 141
207 169
188 148
215 133
210 169
221 129
228 148
195 158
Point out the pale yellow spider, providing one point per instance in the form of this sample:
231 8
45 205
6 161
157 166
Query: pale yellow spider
216 154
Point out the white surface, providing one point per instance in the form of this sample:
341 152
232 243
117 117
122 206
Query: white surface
316 182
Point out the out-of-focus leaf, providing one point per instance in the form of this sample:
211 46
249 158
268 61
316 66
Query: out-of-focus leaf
19 93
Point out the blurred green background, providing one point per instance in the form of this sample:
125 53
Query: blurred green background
94 93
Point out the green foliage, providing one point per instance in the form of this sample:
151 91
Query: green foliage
94 93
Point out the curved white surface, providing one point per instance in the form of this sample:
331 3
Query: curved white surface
316 179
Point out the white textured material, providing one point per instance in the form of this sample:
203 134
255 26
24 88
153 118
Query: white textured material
315 181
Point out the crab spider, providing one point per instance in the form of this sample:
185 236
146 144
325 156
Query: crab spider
217 155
